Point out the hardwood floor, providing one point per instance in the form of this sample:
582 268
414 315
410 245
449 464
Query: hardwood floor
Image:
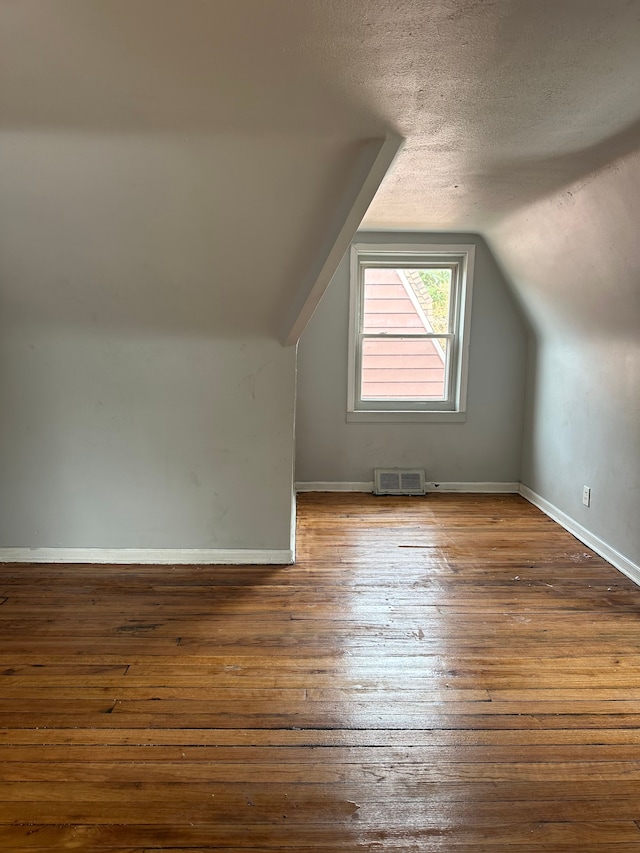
440 674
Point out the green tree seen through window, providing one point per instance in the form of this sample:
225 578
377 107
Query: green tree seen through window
437 284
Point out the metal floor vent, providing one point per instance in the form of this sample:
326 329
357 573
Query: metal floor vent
398 481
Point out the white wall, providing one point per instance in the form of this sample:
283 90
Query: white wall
575 260
487 447
145 402
111 441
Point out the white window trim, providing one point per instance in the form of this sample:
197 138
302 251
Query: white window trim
429 253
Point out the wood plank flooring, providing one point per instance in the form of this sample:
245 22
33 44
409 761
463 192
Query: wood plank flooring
452 673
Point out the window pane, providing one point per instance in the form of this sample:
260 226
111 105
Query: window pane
403 369
406 301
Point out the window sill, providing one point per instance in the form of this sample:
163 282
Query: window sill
408 417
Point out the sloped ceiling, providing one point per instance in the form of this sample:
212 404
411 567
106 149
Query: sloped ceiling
504 102
252 113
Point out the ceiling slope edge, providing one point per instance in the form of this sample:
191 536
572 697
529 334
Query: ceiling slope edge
372 165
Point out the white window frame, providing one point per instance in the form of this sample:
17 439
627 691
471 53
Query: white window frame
461 258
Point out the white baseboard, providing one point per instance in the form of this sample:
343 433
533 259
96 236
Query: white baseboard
475 488
148 556
293 529
471 488
322 486
617 560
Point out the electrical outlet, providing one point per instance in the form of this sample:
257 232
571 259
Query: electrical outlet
586 495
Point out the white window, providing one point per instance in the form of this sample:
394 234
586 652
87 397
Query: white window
409 332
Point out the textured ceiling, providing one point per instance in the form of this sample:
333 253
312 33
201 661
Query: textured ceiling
501 101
